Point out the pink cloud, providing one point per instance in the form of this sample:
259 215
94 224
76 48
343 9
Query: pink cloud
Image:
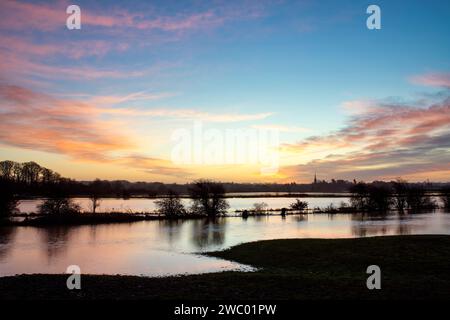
18 66
433 80
384 142
111 29
47 17
76 50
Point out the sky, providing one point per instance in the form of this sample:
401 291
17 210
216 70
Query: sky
153 90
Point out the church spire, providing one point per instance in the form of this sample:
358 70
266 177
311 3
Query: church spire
315 177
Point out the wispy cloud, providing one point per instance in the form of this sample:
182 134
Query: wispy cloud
77 129
280 128
191 114
37 121
16 66
34 41
26 46
154 166
432 79
48 17
135 96
106 105
385 141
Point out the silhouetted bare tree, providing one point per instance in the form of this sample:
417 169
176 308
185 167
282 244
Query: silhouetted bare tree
58 206
171 206
6 170
418 199
8 200
95 192
299 205
30 172
208 198
359 198
260 207
17 172
379 198
400 194
370 197
445 196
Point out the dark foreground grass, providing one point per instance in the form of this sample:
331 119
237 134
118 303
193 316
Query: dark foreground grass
413 267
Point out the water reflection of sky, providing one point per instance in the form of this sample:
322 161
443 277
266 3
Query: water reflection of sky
148 205
166 247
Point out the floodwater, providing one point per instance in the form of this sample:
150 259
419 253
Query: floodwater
157 248
148 205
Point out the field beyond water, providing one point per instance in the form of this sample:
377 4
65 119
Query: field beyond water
412 267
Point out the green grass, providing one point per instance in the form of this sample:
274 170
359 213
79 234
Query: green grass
413 267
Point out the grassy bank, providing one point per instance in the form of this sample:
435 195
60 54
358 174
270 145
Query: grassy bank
413 267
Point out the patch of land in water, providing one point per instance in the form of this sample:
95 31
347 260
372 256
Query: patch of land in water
85 218
413 267
91 219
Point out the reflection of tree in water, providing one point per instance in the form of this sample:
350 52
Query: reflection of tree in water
93 232
262 217
7 235
301 218
367 231
396 224
206 232
56 239
170 228
365 227
357 217
369 216
403 228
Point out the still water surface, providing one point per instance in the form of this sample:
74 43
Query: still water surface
156 248
148 205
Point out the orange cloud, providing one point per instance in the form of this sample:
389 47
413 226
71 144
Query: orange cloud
155 166
36 121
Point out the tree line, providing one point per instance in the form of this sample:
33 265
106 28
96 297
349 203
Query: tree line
29 179
399 195
19 180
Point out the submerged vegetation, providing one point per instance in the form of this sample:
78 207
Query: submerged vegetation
299 205
171 205
400 196
208 198
445 197
59 206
